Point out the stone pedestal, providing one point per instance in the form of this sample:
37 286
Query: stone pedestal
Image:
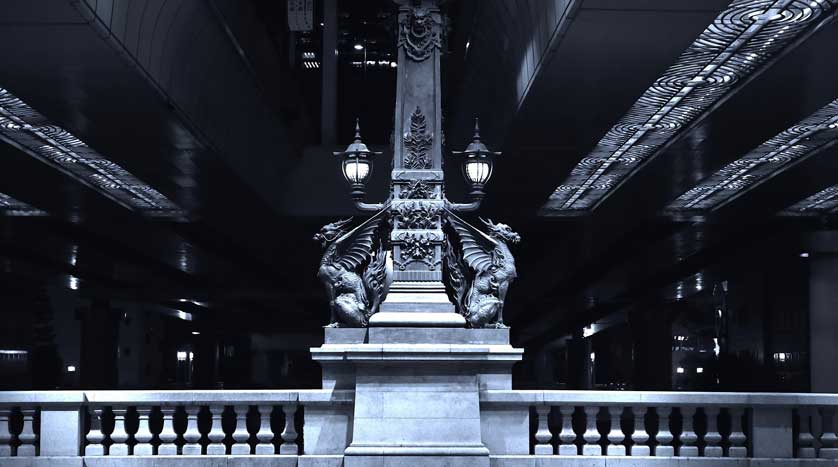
416 390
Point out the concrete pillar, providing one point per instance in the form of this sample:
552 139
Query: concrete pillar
99 342
579 368
205 364
329 96
823 321
652 334
771 432
61 431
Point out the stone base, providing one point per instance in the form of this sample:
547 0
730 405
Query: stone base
416 461
416 390
423 320
415 335
399 335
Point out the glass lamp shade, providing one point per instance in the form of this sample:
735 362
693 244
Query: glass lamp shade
356 170
477 170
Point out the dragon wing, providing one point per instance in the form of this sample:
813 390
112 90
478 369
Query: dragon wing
377 278
355 247
456 276
477 246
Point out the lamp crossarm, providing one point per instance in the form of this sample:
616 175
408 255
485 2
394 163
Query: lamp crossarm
372 207
462 207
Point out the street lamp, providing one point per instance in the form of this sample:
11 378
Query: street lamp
357 164
477 164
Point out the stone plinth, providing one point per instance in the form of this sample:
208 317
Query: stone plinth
417 390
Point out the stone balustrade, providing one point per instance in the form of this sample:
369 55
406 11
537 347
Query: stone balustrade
171 423
314 427
659 424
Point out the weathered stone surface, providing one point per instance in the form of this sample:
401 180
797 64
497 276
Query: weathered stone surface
396 335
344 335
415 461
407 317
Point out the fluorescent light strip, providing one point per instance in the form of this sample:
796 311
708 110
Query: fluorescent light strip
814 133
24 127
16 208
822 202
740 40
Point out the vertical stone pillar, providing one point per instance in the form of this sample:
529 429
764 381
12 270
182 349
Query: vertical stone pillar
652 334
823 322
205 364
99 343
61 431
5 433
579 368
417 294
771 432
329 103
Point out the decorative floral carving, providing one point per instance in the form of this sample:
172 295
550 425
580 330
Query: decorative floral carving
416 247
417 142
419 215
420 31
417 189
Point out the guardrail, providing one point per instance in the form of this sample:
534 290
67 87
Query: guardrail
659 424
189 423
554 426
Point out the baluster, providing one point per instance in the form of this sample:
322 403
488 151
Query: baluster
119 436
829 439
805 440
216 434
688 437
543 435
265 436
192 436
289 433
591 436
737 437
5 433
616 435
241 435
712 438
95 436
567 436
143 435
664 435
640 436
167 434
27 437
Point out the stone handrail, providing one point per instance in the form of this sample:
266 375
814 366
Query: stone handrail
51 423
610 424
661 424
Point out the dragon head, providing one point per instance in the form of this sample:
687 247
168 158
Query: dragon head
501 232
331 232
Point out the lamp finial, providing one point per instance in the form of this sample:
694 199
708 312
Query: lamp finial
357 130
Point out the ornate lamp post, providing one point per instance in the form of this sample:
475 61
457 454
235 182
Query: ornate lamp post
478 164
357 164
439 263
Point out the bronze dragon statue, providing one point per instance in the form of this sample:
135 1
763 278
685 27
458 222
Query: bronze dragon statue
354 270
479 270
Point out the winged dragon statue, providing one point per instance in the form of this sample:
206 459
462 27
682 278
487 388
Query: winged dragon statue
479 270
354 270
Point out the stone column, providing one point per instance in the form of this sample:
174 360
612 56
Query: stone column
652 334
823 322
329 97
99 343
579 368
205 365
